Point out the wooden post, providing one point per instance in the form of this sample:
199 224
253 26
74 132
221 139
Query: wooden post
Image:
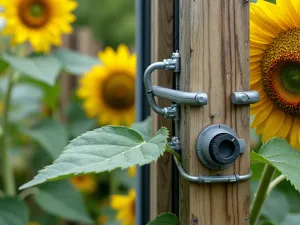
81 40
162 48
214 45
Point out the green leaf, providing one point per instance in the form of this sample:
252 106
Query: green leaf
13 211
143 128
3 66
52 136
278 153
165 219
268 223
51 93
26 100
61 199
291 219
44 68
273 210
77 121
103 149
75 63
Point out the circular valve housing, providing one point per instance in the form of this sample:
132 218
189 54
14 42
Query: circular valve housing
218 147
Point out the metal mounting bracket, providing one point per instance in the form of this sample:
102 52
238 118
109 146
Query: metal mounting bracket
179 97
211 179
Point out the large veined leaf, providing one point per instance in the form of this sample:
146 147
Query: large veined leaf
103 149
165 219
278 153
143 128
61 199
75 63
13 211
44 68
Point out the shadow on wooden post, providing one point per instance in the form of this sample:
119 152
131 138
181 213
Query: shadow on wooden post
162 48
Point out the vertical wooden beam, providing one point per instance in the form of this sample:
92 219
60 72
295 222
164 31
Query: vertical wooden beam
214 43
162 48
81 40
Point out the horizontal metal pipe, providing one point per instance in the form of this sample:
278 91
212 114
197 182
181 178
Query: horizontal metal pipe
212 179
180 97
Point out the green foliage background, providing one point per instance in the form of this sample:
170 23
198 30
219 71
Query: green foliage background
112 22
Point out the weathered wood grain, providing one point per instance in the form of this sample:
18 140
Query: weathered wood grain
162 47
214 43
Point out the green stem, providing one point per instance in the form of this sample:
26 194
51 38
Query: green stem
275 182
7 170
173 153
261 194
27 192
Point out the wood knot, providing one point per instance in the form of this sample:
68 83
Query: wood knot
194 220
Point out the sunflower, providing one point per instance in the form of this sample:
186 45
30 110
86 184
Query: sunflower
108 90
131 171
85 183
102 220
33 223
125 205
275 69
41 22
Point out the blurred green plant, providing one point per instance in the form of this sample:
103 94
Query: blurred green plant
112 22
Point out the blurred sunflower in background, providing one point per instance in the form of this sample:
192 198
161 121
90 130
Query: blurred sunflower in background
102 220
108 90
275 69
41 22
125 205
132 171
85 183
33 223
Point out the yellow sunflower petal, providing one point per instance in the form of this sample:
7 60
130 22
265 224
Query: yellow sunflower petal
289 10
273 124
262 115
295 132
285 128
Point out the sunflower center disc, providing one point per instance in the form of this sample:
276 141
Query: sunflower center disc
280 67
36 10
34 13
290 76
118 91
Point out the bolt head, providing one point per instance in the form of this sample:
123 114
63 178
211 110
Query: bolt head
243 98
200 99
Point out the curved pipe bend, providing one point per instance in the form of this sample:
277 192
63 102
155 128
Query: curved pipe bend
148 86
212 179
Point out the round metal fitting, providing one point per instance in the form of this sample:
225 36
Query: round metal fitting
218 147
